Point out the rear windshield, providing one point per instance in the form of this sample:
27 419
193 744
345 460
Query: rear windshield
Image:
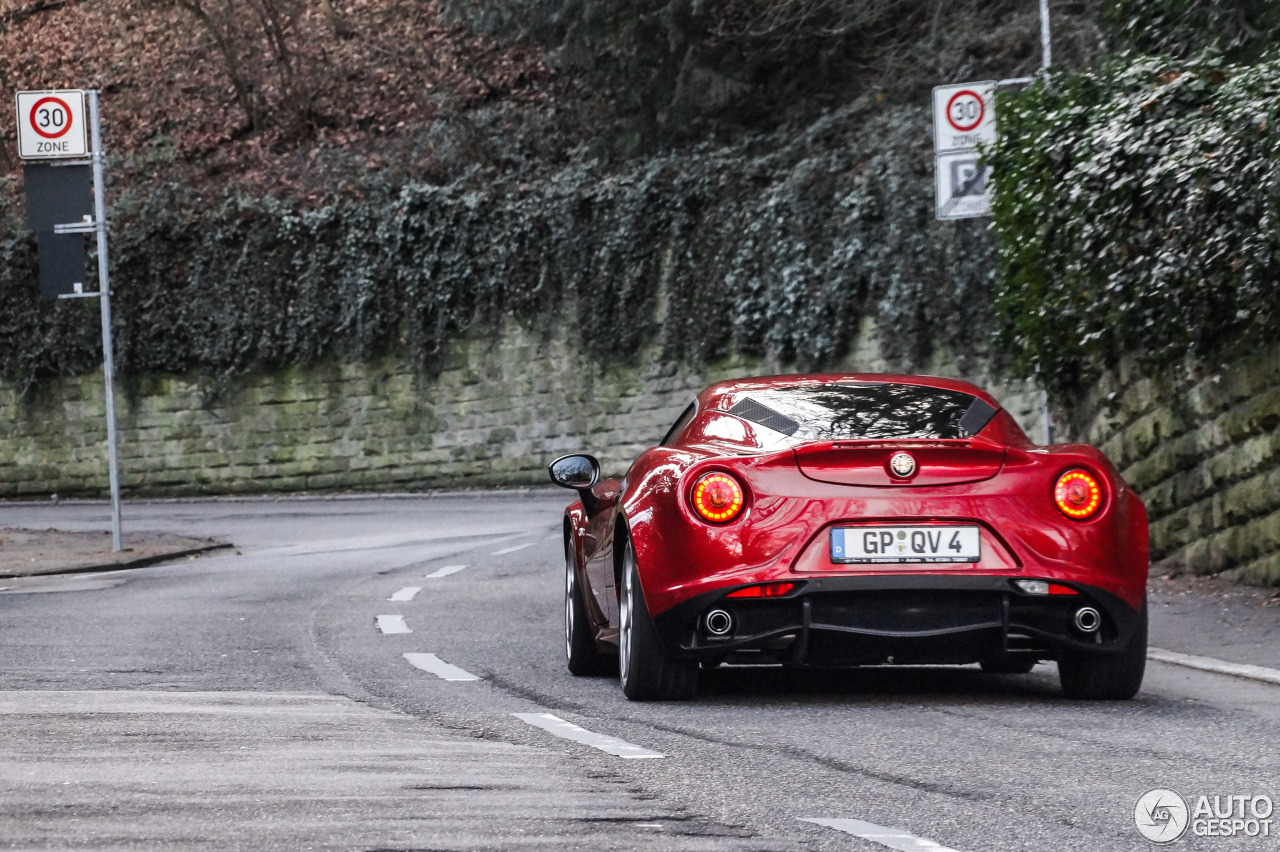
865 411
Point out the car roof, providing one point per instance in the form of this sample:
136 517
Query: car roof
724 395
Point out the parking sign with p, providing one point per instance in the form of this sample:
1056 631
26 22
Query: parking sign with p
964 120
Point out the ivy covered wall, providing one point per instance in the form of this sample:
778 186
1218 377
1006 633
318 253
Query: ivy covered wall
1137 209
771 248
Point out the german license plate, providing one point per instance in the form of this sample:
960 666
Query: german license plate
880 544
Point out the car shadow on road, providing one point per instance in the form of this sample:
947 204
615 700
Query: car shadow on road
729 684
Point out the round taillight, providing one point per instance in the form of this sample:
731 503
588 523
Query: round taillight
717 497
1077 494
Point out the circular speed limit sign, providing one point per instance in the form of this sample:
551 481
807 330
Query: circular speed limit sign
965 110
51 117
52 124
964 116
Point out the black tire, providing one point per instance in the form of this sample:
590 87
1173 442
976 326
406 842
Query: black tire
1112 677
581 653
647 674
1008 665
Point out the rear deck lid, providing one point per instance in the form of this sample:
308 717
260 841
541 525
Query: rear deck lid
879 463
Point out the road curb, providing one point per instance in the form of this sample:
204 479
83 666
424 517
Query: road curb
1222 667
140 562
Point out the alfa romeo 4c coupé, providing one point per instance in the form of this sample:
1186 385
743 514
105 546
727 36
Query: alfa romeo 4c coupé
853 520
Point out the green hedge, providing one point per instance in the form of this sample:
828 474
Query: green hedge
1138 212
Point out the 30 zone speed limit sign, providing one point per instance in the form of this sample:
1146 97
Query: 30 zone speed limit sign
964 116
51 125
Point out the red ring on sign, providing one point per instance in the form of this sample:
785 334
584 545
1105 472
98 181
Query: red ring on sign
60 102
982 110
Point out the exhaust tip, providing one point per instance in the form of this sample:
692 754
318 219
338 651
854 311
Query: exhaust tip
1088 619
718 622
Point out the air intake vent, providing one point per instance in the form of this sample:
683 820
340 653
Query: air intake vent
749 409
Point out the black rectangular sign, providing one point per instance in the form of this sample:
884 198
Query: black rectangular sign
57 195
62 263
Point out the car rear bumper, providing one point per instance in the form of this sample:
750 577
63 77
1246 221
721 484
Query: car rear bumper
897 619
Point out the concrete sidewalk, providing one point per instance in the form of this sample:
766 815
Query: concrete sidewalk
1211 617
28 553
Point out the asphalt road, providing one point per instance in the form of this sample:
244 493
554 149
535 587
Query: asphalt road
261 698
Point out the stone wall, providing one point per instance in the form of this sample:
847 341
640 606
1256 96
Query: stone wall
498 412
1202 447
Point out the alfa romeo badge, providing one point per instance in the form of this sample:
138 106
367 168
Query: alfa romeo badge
903 465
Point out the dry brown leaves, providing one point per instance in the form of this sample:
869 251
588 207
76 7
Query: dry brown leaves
331 73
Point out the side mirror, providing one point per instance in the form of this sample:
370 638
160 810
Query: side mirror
578 472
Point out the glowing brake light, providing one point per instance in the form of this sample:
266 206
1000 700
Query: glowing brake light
717 497
768 590
1077 494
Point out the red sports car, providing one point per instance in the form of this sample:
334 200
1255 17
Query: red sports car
850 520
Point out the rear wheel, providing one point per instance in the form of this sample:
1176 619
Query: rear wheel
580 646
647 673
1111 676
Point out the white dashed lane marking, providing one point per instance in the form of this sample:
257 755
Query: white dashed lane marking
1209 664
894 838
438 667
406 594
569 731
504 551
393 624
446 571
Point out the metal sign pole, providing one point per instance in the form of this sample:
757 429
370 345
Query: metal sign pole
1046 59
104 299
1046 49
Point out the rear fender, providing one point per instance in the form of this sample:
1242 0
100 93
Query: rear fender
672 544
1113 544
